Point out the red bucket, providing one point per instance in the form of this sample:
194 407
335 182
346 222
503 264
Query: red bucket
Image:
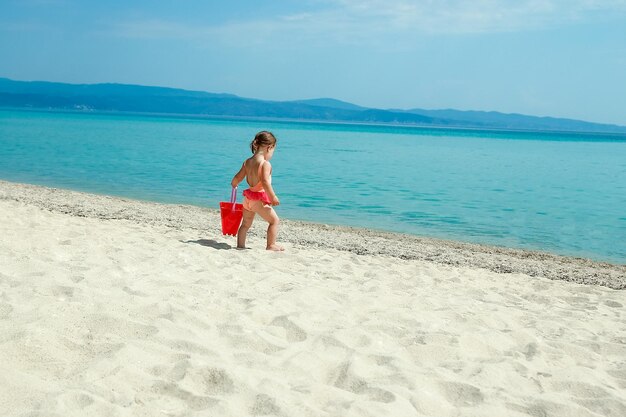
231 213
231 217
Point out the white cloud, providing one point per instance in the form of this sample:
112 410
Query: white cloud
477 16
356 21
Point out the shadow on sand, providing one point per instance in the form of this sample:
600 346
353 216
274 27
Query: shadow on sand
210 243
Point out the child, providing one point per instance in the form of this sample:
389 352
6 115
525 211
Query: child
260 197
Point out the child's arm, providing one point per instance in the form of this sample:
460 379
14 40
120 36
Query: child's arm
239 176
266 171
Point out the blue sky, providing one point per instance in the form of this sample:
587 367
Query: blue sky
562 58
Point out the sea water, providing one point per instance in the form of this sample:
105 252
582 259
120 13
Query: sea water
559 192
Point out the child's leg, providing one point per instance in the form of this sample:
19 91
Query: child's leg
268 213
248 217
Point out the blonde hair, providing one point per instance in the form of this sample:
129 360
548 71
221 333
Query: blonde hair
263 138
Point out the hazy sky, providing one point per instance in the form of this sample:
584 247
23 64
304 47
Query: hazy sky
563 58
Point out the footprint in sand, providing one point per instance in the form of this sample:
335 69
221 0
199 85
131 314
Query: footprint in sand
344 378
62 291
462 395
5 310
530 351
264 405
254 341
534 410
130 291
179 370
70 400
293 333
172 390
211 381
605 406
80 399
77 278
102 324
189 347
580 389
8 336
620 375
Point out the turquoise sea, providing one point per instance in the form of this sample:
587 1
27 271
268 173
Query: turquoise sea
559 192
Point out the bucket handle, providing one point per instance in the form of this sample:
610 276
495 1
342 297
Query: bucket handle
233 197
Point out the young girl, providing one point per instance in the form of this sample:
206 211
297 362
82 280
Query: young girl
260 197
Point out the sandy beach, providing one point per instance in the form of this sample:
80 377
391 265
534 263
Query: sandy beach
115 307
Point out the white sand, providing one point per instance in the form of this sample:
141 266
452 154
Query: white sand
128 318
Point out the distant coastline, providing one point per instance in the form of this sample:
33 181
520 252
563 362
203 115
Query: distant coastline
612 136
171 102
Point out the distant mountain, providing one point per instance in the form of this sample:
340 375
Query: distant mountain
517 121
98 90
136 98
331 102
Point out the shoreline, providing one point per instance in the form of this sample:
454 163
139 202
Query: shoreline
359 241
611 136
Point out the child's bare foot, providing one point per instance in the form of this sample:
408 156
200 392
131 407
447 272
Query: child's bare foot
275 248
241 248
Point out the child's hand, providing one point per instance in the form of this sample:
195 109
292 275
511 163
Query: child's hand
275 201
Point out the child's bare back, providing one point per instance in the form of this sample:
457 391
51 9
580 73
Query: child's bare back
260 197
